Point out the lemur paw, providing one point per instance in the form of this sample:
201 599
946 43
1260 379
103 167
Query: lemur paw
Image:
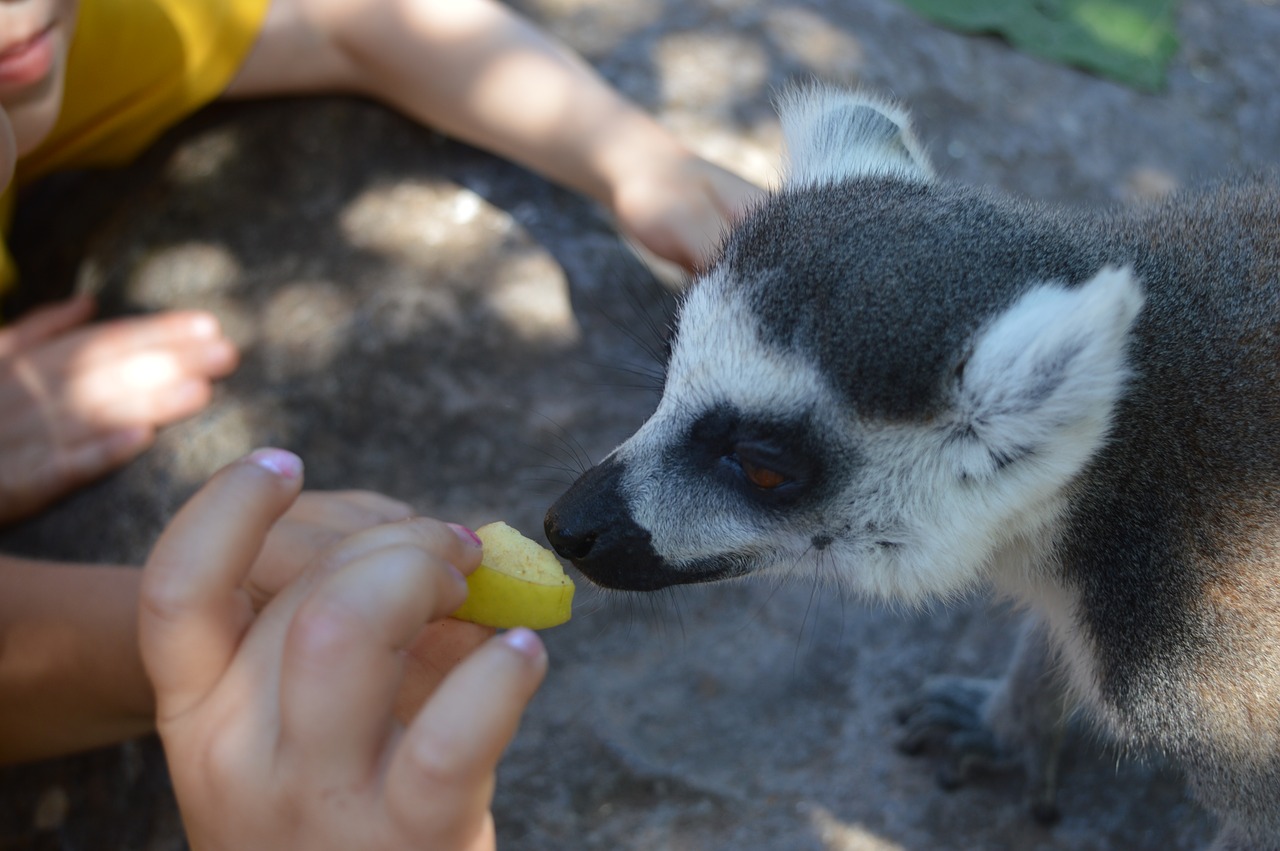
951 715
948 716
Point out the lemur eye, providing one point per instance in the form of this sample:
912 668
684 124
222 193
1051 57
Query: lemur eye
759 475
762 477
767 464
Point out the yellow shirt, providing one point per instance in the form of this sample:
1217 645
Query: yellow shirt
134 69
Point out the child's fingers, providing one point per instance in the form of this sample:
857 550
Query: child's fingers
442 770
350 511
120 338
192 613
43 323
317 521
429 658
351 630
456 545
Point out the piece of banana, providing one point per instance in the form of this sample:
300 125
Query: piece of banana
518 583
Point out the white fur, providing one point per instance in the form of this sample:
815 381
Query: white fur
832 134
948 531
726 361
727 364
1040 387
929 514
1045 375
1058 609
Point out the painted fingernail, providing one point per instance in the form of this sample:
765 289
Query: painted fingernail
279 461
465 535
524 641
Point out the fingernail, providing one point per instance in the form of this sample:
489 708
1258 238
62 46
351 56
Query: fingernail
282 463
524 641
465 535
205 326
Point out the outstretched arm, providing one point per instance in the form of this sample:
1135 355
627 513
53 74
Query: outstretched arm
479 72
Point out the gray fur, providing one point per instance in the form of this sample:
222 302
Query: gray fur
1082 410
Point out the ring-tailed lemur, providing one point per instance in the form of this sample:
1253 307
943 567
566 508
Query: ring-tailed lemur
916 388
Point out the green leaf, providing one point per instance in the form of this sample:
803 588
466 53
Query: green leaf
1130 41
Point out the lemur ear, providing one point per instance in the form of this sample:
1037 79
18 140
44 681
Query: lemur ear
832 134
1044 377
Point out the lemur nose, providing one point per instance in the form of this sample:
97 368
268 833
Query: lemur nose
568 544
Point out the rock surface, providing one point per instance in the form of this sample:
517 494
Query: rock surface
425 320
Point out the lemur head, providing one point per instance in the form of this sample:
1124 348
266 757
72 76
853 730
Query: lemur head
882 380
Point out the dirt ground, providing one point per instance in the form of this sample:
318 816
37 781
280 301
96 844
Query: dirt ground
422 319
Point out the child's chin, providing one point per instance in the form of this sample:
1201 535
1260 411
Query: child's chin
33 118
34 105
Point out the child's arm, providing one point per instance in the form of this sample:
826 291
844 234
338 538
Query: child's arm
285 717
70 675
479 72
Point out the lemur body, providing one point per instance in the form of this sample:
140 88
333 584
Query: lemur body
911 388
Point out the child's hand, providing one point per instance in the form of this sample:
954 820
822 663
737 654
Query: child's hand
316 521
681 208
77 400
278 727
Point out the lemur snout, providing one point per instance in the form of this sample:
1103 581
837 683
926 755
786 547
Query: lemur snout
568 543
590 526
